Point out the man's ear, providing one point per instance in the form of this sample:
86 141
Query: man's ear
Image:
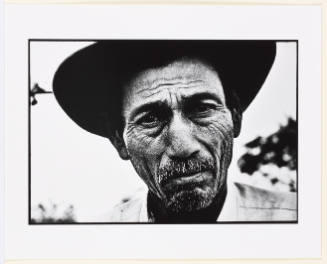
118 142
115 137
237 121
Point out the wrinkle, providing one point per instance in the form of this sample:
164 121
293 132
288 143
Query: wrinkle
163 83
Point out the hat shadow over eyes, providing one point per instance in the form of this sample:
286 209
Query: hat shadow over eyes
89 82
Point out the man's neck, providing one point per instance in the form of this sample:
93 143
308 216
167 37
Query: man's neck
160 214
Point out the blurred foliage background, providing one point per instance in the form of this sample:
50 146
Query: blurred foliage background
271 162
53 213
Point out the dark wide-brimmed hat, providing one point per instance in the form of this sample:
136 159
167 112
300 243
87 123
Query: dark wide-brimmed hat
88 84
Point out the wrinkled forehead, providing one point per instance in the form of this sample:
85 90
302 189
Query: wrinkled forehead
181 78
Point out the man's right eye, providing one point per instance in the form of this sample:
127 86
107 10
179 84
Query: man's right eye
149 120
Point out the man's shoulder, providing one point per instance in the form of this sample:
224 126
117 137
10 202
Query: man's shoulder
130 209
256 204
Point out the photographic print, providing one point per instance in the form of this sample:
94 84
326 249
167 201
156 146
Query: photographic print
163 131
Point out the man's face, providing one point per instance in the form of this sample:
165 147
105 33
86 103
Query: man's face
179 133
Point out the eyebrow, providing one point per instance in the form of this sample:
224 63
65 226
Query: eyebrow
160 105
202 96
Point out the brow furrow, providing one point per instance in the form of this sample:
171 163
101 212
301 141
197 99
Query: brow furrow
169 84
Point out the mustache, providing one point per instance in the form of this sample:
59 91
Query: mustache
175 169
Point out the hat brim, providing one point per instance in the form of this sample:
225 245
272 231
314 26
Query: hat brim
88 83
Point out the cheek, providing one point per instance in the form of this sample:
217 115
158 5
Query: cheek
138 143
145 156
218 135
218 139
145 151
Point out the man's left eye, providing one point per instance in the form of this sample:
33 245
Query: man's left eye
204 108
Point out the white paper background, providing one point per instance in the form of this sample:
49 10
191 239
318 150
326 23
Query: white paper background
163 241
2 132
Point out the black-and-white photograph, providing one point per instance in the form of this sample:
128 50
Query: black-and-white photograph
162 131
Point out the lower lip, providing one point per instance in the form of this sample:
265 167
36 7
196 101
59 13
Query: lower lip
190 179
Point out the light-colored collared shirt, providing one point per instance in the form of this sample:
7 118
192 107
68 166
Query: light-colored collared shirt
243 203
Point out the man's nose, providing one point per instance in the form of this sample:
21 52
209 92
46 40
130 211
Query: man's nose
181 139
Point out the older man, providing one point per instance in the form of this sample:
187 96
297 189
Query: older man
173 109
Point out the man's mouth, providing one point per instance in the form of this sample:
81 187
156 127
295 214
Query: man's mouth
188 173
189 179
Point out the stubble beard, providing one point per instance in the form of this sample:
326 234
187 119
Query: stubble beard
187 201
200 197
191 199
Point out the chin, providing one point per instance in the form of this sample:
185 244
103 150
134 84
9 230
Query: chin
187 201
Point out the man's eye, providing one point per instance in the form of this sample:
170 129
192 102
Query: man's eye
149 120
204 108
